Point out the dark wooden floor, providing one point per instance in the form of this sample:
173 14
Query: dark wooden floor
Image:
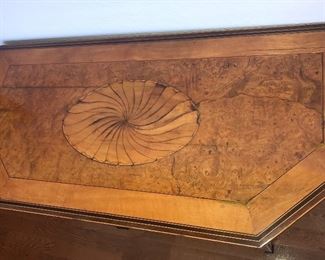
24 236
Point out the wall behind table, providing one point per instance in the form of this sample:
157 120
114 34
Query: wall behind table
34 19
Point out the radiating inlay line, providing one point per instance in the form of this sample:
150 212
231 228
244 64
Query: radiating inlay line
131 122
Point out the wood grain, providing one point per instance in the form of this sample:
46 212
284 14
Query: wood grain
45 237
259 116
4 66
248 45
288 190
131 123
3 174
255 156
134 204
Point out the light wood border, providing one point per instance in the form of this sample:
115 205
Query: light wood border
253 224
39 198
247 45
288 190
159 207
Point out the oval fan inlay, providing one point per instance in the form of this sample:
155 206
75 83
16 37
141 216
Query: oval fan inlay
131 122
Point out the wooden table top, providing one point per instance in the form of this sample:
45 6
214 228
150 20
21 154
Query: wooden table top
220 138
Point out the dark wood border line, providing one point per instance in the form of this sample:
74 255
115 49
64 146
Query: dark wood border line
148 37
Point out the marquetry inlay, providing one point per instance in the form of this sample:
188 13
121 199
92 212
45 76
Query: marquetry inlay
131 122
220 138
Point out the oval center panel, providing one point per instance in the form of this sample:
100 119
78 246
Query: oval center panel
131 122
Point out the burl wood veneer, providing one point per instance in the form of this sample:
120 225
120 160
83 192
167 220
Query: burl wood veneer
215 137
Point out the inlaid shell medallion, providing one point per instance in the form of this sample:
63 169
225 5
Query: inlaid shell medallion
131 122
